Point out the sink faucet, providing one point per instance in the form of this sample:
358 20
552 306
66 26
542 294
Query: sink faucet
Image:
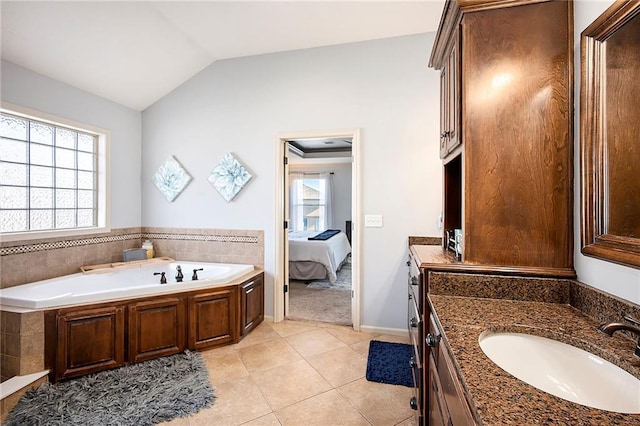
612 327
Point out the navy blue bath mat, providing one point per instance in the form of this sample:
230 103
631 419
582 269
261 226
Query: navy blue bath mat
389 363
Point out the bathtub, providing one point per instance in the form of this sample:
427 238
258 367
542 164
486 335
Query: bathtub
119 284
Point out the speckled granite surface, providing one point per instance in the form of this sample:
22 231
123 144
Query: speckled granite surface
469 304
498 397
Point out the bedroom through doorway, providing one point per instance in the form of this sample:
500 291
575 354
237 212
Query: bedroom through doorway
318 188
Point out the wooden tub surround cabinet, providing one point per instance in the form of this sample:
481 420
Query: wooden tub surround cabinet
81 340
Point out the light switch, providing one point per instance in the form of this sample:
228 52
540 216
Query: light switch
373 221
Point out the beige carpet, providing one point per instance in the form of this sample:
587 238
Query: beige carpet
319 304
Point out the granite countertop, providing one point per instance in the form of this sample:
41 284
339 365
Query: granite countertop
468 300
499 398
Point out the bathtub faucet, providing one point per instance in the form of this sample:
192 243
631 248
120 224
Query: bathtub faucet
163 279
179 275
194 277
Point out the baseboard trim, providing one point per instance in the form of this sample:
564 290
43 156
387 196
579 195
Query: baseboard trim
384 330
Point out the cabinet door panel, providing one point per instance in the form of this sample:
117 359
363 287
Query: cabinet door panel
438 414
212 319
252 304
89 341
156 328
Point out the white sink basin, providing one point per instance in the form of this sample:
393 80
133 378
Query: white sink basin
564 371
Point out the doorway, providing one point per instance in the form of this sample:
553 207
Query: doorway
312 156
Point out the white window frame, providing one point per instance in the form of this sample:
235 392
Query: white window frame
103 188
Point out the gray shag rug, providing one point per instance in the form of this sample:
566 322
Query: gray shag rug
146 393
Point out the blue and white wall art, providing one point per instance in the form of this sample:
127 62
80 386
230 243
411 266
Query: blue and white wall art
171 178
229 177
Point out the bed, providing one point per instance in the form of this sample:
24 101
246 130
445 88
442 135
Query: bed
316 259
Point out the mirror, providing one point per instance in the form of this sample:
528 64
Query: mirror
610 135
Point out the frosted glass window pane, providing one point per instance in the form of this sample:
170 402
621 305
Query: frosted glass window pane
85 180
65 178
65 198
41 133
12 197
13 127
85 218
41 154
13 151
13 174
13 220
65 218
41 219
85 161
65 138
86 142
85 199
41 176
41 198
65 158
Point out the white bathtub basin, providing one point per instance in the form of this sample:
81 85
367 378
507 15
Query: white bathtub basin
564 371
119 284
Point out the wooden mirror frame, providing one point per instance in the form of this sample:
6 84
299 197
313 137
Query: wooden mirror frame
595 241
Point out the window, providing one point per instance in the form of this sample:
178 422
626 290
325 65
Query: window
310 202
51 176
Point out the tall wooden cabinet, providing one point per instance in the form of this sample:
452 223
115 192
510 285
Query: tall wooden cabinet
507 131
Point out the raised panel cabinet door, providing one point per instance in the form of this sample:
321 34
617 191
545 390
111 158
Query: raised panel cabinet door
444 111
453 89
437 414
157 328
252 304
89 340
213 319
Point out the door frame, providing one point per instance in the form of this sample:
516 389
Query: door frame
281 270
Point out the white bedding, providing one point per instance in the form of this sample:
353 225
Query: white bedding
331 253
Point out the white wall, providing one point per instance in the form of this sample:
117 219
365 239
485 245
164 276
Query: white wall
615 279
239 105
341 187
27 89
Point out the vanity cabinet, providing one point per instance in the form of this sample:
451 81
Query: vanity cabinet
252 302
81 340
102 327
156 328
448 404
212 319
507 132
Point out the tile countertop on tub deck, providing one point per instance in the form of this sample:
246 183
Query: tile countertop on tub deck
496 397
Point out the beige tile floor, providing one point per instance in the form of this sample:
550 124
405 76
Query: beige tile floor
300 373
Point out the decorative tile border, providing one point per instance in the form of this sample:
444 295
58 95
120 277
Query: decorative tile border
202 237
31 248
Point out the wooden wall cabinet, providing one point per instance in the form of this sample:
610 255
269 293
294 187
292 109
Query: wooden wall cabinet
510 152
103 327
450 99
156 328
212 319
252 302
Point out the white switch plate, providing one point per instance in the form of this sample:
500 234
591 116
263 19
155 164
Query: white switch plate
373 221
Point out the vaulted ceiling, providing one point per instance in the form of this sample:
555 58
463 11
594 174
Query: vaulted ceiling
133 53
